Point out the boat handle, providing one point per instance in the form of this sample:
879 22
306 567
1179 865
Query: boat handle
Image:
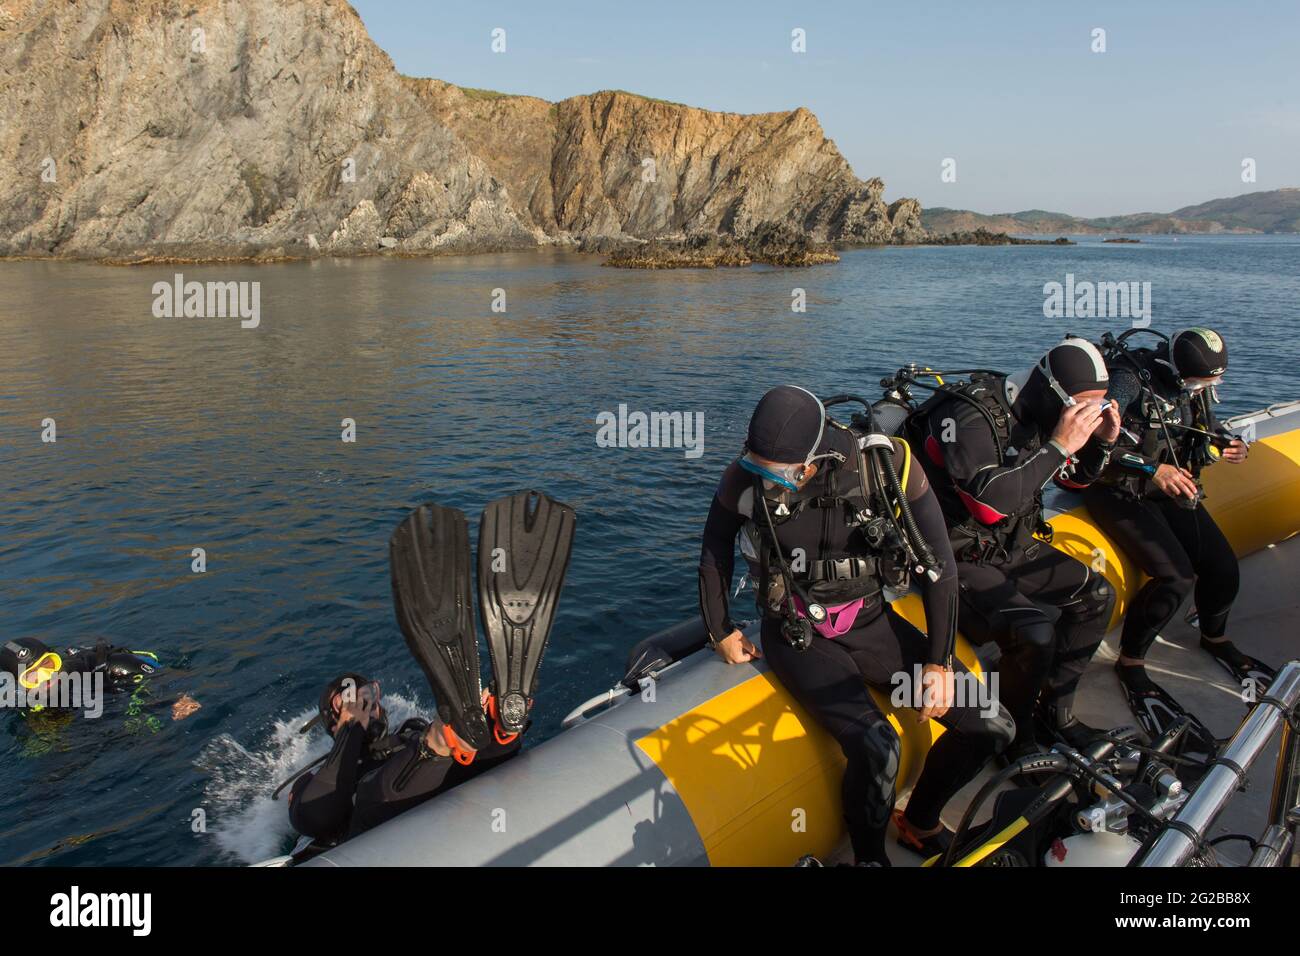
601 700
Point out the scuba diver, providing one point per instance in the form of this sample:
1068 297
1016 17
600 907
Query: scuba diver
45 675
825 524
990 446
1149 501
369 775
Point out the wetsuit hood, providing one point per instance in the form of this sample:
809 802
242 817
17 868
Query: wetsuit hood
1199 353
787 425
1038 394
20 653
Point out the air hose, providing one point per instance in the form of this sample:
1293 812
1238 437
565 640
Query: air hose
1072 766
877 443
794 629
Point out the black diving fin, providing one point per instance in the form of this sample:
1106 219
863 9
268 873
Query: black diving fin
1156 712
524 543
1242 668
431 569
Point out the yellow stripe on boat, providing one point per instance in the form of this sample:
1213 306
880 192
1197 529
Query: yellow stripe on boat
760 780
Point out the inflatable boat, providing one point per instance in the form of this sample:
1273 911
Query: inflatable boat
689 761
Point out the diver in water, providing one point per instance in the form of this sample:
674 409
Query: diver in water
370 776
1149 502
826 523
49 680
989 447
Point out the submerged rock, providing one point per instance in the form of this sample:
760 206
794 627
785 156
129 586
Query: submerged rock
984 237
775 244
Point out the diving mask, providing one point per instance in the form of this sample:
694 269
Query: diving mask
45 667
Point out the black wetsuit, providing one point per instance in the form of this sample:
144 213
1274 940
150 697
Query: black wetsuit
831 677
1046 611
1181 549
361 785
121 668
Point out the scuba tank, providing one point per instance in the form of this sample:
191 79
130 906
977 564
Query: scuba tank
983 390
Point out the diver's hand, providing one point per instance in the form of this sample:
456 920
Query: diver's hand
735 648
1175 482
184 706
1076 425
1108 430
1236 452
938 691
358 710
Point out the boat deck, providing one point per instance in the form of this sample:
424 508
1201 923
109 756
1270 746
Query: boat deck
1265 623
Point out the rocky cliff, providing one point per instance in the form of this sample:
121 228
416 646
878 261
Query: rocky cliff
277 127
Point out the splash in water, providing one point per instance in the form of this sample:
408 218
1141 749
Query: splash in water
246 823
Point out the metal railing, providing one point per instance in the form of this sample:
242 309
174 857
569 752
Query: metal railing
1182 836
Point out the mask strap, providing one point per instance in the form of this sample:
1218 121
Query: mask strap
1066 398
821 427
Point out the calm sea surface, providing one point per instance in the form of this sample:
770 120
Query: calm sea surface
182 433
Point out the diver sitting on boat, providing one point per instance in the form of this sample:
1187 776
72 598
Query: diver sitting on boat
826 523
989 446
1149 502
370 776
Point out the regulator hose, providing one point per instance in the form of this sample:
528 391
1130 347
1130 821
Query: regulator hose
885 462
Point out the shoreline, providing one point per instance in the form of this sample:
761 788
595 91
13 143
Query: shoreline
270 257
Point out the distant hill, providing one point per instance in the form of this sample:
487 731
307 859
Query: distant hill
1276 210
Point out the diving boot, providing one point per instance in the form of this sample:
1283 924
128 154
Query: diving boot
934 844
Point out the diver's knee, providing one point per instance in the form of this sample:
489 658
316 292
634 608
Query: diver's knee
1033 631
1096 600
875 749
1000 729
1177 584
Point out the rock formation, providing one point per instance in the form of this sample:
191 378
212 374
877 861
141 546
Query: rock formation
217 128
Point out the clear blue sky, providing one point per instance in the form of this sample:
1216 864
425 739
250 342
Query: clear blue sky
1011 90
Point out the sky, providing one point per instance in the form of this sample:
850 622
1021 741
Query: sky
1184 92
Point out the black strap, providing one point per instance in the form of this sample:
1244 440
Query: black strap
1187 830
1270 699
841 569
1238 771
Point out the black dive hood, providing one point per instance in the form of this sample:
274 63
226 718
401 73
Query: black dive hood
1039 396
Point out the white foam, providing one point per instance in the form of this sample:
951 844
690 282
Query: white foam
241 816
